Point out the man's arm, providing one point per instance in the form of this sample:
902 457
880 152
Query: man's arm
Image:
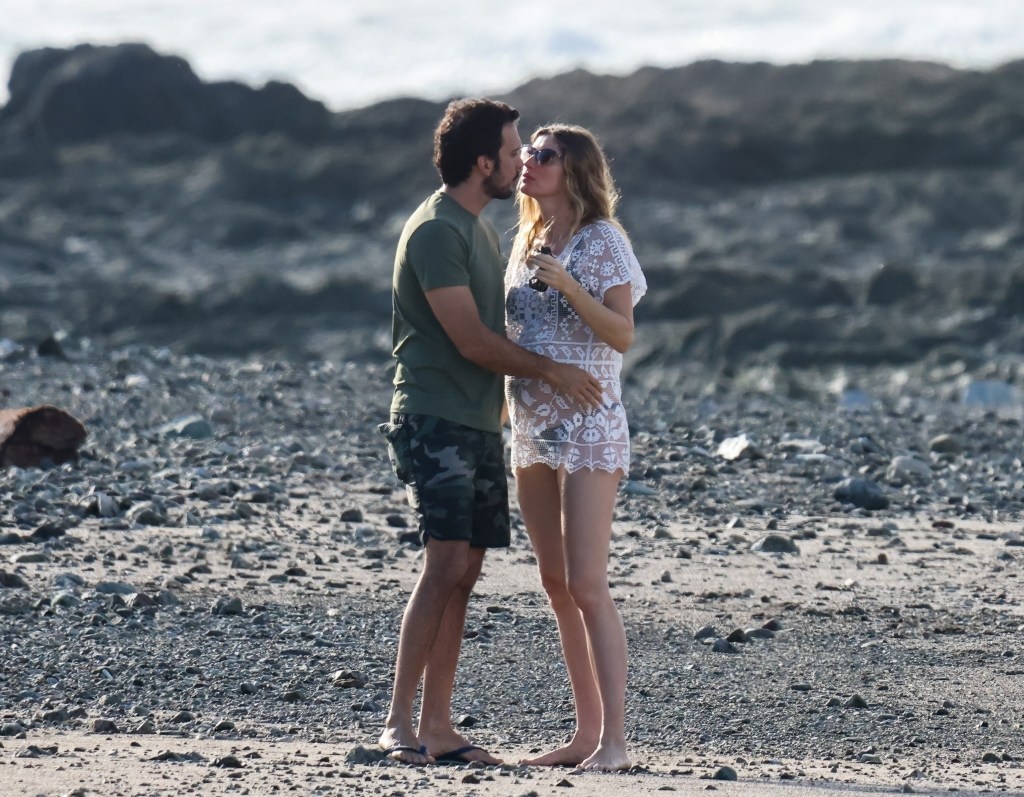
458 315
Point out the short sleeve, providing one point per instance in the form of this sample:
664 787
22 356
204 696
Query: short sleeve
438 255
612 261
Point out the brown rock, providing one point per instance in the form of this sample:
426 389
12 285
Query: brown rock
31 435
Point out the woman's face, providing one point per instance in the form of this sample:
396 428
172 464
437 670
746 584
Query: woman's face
543 172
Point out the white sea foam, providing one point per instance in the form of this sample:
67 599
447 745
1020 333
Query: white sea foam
349 53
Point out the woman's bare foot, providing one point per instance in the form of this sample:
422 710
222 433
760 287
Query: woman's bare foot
571 755
607 759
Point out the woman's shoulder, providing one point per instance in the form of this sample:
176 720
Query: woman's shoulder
609 232
607 229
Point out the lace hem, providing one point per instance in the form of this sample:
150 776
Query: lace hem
571 467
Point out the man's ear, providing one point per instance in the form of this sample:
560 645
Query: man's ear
485 165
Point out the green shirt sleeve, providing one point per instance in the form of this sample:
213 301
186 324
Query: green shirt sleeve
438 256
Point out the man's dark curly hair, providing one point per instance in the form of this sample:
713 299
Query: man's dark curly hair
469 129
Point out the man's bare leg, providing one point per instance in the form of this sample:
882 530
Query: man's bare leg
445 564
435 729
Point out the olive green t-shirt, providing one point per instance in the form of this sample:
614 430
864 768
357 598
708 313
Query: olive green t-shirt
444 245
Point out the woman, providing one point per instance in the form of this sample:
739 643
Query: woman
574 303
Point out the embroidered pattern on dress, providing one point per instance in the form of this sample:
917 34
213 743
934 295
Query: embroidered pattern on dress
548 427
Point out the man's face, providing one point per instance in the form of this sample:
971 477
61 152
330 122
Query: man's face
501 183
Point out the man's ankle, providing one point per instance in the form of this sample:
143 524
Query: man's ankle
397 723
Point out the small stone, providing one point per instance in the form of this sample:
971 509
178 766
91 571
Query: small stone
140 600
908 470
364 755
737 635
167 598
347 679
724 646
228 607
725 773
193 427
739 447
775 543
855 701
12 581
104 726
946 444
862 493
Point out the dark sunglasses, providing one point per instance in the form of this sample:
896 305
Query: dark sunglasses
540 156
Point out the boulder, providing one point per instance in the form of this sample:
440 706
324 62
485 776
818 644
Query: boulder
61 96
31 436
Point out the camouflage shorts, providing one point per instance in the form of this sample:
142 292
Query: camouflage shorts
454 476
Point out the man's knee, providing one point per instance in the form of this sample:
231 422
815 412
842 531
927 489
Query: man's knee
471 572
445 563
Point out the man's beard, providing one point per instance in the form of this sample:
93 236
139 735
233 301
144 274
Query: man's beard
496 190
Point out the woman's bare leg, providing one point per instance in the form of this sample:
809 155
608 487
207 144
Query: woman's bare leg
588 504
540 502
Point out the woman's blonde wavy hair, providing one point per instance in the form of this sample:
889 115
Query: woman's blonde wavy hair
592 192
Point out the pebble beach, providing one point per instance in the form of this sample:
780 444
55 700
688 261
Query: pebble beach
211 594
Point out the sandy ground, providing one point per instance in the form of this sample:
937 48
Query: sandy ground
838 567
85 764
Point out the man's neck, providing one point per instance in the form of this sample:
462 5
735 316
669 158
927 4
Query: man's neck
469 194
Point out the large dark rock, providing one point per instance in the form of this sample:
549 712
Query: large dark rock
713 121
760 198
60 96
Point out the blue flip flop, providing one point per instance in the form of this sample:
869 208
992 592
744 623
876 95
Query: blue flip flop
459 756
404 748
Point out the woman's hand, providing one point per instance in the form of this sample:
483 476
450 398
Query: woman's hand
549 270
611 320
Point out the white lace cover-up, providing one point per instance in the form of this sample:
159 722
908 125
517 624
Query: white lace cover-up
547 426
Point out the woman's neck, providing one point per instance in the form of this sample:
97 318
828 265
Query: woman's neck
557 220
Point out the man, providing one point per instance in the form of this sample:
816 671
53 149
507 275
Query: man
444 437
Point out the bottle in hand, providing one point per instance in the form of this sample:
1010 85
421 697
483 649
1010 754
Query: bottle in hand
535 282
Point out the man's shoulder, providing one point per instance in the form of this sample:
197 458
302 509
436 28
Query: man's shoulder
437 218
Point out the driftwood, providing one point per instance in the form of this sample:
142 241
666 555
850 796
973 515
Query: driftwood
30 436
